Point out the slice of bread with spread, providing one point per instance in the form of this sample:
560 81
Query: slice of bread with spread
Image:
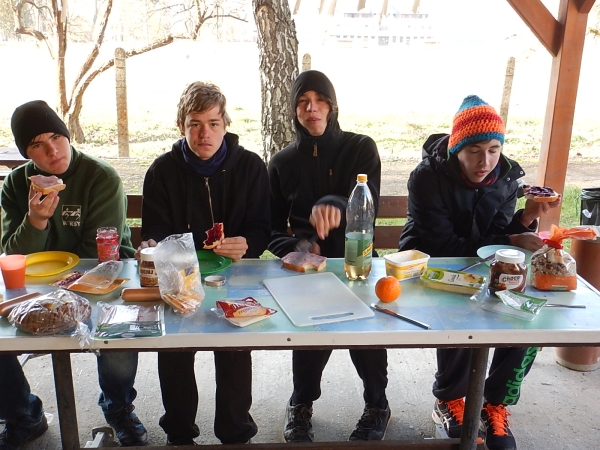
301 261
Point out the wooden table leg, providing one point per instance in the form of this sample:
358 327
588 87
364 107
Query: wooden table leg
474 399
65 401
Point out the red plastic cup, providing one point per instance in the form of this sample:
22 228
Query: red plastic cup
13 271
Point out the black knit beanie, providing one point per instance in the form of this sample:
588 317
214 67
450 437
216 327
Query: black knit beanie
32 119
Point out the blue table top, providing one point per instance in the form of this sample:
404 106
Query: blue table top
455 320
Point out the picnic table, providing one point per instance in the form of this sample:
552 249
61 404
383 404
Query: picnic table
455 321
10 157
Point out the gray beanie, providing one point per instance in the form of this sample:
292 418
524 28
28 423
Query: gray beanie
32 119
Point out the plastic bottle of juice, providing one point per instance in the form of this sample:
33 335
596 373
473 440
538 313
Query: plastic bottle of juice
360 215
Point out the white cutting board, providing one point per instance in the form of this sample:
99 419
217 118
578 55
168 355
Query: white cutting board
316 298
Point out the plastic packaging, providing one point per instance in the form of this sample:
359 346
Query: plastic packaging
129 321
360 216
107 242
553 269
179 273
243 312
54 313
101 276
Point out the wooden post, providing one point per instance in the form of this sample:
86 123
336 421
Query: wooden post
121 89
306 62
563 38
65 401
508 80
560 110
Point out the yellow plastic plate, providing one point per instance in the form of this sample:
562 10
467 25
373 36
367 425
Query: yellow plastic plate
44 264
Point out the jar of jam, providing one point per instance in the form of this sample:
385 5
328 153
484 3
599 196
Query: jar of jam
508 271
107 242
148 275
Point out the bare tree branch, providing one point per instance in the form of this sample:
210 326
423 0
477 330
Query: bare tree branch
95 50
21 29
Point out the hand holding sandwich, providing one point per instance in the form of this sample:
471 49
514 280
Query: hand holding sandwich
41 209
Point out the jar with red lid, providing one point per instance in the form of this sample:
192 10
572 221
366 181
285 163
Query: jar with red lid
508 271
107 242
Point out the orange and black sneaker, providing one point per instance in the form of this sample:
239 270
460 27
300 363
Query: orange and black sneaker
450 416
494 422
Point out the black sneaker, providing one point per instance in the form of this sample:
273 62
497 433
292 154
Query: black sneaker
180 441
372 424
494 422
450 416
298 426
128 427
15 435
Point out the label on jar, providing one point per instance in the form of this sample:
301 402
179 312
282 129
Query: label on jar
510 281
148 275
508 276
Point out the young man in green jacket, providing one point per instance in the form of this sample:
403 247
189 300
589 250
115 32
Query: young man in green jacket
66 221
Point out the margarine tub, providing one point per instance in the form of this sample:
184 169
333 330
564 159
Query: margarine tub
406 264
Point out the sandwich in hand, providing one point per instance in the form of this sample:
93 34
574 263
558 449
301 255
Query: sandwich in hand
214 236
45 185
540 194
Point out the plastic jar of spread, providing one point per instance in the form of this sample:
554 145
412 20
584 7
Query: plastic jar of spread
508 271
148 275
107 243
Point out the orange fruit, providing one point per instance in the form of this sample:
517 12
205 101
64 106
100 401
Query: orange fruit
388 289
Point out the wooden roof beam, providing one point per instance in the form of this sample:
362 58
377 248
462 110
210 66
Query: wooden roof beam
562 95
541 22
585 6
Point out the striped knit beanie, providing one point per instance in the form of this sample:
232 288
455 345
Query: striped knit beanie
475 121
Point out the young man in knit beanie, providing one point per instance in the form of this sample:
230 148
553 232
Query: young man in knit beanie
66 221
461 197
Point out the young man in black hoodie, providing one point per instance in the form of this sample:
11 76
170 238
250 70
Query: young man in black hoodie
207 178
311 180
462 196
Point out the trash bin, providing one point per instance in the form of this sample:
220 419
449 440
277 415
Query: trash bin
590 206
587 255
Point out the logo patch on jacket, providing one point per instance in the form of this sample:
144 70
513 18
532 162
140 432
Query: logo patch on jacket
71 215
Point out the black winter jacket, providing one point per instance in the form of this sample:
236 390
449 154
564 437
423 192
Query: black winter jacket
176 200
318 170
448 218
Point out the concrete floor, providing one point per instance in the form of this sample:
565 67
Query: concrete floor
558 408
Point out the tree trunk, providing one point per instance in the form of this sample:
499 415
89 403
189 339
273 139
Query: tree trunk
278 48
61 36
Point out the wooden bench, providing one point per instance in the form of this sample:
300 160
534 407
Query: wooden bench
386 236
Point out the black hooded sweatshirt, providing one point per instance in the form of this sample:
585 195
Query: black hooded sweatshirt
446 217
317 170
177 200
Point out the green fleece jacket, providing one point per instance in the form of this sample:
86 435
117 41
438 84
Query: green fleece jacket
93 198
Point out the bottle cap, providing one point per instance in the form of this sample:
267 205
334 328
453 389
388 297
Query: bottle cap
147 254
361 178
509 255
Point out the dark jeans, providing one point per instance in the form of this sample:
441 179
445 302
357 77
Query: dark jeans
308 366
503 384
116 375
17 404
233 373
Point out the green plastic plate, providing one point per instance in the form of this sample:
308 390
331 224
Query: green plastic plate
210 262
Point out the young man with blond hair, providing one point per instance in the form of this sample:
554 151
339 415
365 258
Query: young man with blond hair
207 178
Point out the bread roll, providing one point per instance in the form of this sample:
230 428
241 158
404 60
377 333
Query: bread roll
54 313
